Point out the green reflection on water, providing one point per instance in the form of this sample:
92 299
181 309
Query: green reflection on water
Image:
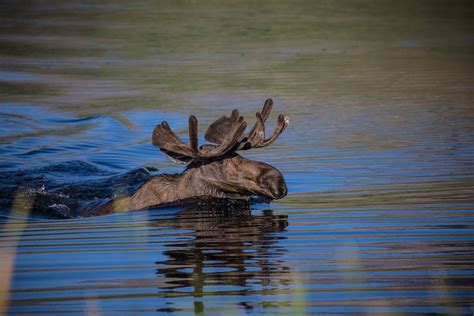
162 54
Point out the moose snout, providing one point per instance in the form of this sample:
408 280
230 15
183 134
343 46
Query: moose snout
278 191
273 184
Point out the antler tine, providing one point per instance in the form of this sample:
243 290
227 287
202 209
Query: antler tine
267 108
255 136
235 115
228 142
259 133
282 123
193 134
164 138
173 137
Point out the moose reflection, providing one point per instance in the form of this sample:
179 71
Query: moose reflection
232 249
214 170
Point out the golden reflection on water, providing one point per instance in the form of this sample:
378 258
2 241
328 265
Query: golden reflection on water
14 226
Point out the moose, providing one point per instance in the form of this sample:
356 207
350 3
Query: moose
214 170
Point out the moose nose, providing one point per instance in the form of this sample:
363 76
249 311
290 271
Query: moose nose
279 189
274 184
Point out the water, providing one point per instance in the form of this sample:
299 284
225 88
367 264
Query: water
378 156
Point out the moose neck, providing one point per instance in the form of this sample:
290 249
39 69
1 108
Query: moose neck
158 190
163 189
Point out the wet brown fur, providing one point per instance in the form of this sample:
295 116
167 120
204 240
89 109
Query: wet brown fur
230 176
214 170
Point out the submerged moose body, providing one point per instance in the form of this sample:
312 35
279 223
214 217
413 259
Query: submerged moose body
215 172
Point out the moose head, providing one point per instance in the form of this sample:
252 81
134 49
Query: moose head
214 170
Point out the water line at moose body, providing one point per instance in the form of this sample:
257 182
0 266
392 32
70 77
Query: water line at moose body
378 157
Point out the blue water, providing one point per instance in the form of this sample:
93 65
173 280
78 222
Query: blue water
378 157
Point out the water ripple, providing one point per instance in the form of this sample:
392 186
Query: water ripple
378 157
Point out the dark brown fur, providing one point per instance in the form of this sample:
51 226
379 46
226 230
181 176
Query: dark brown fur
214 171
230 177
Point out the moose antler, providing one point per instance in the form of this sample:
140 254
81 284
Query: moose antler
226 132
256 137
174 147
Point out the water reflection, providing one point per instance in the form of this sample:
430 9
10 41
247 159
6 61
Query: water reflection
234 253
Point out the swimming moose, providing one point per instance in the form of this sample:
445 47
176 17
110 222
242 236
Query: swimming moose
214 170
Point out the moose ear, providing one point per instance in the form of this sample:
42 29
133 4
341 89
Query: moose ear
217 131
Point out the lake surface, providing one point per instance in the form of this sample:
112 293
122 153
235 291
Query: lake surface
378 156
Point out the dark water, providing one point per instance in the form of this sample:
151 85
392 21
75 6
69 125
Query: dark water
378 157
